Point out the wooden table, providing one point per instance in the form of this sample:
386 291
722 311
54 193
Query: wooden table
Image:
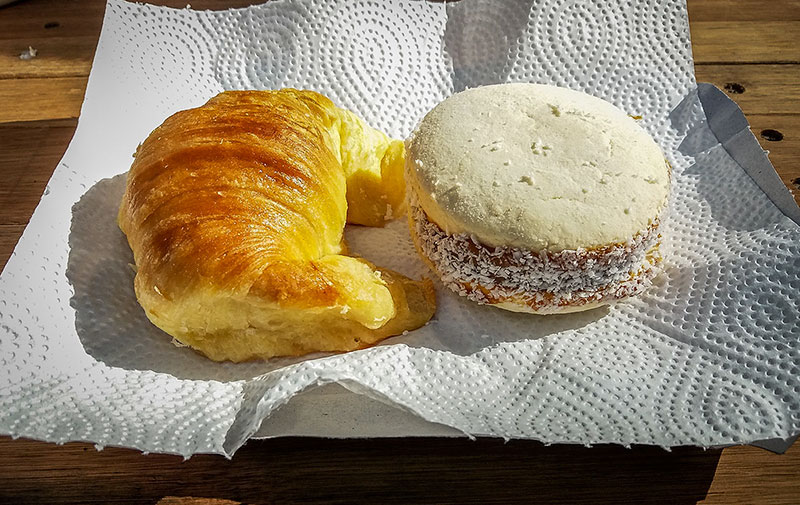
750 48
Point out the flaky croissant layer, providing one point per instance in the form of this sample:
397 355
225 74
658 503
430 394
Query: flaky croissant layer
235 213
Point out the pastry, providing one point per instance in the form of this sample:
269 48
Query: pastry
235 213
536 198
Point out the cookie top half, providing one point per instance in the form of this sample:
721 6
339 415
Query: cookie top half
536 167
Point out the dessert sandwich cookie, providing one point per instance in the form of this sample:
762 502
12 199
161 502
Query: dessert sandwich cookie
536 198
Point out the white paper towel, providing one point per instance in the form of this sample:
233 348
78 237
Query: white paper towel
708 356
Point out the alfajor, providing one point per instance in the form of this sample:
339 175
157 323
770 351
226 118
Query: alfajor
536 198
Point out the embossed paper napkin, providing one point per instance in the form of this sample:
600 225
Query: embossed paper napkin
710 355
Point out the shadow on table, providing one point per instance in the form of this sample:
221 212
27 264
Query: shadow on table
483 471
385 471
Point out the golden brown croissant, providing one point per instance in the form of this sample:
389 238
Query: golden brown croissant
235 213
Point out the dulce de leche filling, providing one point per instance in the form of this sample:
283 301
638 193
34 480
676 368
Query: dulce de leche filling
542 281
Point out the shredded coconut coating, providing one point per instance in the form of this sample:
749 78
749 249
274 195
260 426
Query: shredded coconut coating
541 282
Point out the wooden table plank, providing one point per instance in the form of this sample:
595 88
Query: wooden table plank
757 89
752 11
56 57
38 99
29 154
747 475
9 236
193 500
28 158
764 42
386 471
33 19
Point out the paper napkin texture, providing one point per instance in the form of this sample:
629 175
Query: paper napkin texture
710 355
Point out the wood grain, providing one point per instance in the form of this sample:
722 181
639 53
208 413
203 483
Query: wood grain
9 236
745 41
41 98
757 89
28 20
56 57
745 475
294 470
29 154
385 471
753 11
193 500
28 158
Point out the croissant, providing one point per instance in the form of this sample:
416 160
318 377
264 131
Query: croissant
235 213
